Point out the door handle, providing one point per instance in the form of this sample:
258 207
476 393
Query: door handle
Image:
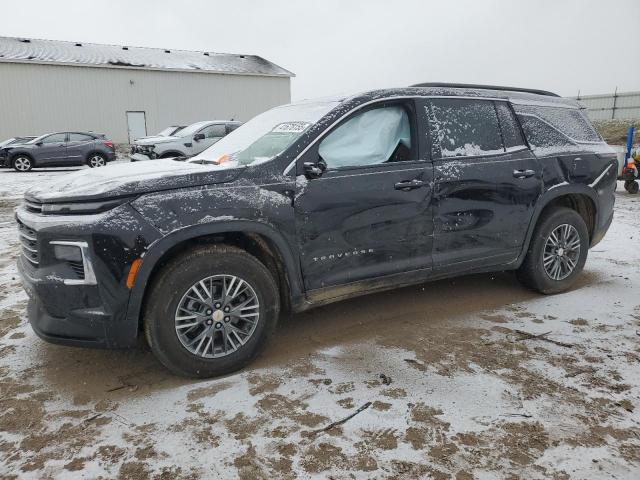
409 185
523 173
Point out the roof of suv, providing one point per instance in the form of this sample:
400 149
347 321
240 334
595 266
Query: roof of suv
513 94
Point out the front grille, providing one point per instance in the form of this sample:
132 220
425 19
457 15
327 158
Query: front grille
29 242
33 206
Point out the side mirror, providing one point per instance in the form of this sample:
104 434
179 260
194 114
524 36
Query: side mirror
198 136
314 170
38 144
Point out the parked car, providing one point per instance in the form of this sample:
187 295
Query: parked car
59 150
312 203
15 141
167 132
187 142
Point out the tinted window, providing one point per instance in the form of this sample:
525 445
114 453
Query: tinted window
79 137
569 121
464 128
372 137
542 137
511 134
55 138
214 131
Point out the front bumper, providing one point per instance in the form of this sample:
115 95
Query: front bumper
140 157
75 312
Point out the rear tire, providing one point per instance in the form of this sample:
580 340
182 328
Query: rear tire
22 163
96 160
557 252
166 320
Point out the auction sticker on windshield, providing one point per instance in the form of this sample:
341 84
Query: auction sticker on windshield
291 127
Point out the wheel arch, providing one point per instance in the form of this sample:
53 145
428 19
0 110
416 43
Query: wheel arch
94 152
172 153
260 240
580 198
13 155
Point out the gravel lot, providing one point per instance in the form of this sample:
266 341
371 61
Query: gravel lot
444 384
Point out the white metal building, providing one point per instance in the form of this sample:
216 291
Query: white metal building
125 92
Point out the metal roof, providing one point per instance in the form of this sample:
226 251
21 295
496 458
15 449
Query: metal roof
29 50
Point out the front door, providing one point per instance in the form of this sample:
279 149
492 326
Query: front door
207 136
486 183
51 150
136 125
369 213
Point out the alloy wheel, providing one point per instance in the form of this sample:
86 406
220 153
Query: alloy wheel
217 316
97 161
561 252
22 164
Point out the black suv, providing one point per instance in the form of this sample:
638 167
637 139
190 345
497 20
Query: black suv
312 203
59 150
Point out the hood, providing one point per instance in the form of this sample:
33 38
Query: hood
155 140
128 179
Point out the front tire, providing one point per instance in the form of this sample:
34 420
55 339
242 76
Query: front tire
557 252
96 160
210 311
22 163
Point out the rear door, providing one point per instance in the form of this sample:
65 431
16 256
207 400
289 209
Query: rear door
52 150
484 191
78 147
369 214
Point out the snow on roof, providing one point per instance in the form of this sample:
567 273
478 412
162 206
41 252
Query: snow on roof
26 50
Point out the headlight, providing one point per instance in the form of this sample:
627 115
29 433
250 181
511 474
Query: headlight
80 208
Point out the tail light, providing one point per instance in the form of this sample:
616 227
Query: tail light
108 143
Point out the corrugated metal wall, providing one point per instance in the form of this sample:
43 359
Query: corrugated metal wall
36 99
623 106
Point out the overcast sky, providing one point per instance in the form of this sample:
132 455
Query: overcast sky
343 46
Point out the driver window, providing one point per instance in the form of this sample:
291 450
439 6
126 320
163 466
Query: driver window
375 136
214 131
55 138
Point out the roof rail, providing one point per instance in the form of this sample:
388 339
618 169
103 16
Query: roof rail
487 87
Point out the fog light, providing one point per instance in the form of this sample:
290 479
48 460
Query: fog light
70 253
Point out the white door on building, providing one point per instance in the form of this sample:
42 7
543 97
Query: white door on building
137 125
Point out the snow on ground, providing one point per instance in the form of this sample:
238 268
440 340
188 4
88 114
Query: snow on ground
444 385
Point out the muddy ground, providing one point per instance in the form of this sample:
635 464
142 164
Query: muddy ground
441 383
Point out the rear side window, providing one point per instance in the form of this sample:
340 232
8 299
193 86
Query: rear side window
511 134
543 138
569 121
79 137
463 128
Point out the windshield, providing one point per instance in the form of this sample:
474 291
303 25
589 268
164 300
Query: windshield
267 135
169 131
37 139
191 129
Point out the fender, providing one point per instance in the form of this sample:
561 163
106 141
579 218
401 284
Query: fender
547 197
161 246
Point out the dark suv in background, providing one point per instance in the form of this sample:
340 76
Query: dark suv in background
311 203
59 150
